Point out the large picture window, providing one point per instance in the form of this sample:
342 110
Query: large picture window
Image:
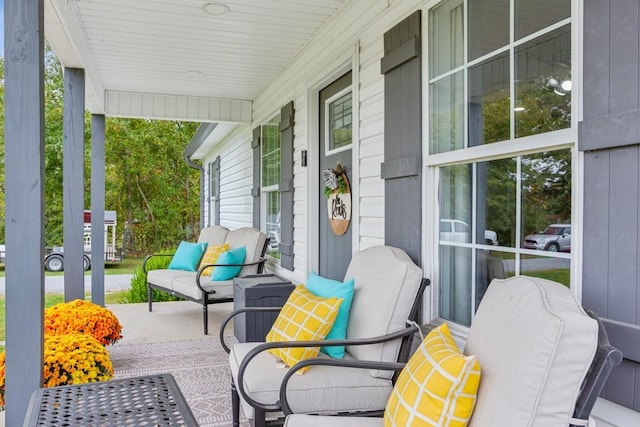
499 72
270 137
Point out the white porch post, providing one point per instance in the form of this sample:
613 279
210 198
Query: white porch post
24 197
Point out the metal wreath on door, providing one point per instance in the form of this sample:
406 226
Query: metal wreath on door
338 194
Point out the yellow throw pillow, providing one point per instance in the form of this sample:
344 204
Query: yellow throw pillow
438 386
304 317
211 256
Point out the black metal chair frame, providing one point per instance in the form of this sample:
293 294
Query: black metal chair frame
605 359
208 296
260 409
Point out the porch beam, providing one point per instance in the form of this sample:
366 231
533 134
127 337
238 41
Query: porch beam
97 208
63 24
24 197
176 107
73 183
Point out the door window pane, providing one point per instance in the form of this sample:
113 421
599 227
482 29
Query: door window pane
543 84
339 119
532 16
489 103
488 26
446 36
447 114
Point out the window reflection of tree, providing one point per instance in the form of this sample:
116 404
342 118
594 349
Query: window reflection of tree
546 190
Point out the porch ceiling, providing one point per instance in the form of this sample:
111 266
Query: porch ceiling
168 59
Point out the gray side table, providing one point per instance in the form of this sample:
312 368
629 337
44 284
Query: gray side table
259 290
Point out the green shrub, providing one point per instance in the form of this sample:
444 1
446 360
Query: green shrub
138 291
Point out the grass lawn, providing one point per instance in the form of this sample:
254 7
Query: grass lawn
126 266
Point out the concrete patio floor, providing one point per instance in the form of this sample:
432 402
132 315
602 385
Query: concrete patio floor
169 321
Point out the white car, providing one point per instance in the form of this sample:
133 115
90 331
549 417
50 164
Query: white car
555 238
455 230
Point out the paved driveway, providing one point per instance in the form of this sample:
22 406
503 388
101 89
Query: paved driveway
55 284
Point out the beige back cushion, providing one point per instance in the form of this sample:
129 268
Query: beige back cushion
535 344
253 240
214 235
386 285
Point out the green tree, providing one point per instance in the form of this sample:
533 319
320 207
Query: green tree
147 180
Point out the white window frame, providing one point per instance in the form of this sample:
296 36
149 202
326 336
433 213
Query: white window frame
556 140
327 150
266 190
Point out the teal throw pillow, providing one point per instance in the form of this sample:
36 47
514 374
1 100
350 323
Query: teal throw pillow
327 288
187 256
232 256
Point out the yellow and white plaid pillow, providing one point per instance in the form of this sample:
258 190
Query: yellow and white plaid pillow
304 317
437 387
211 256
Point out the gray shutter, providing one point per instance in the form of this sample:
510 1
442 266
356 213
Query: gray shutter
286 186
255 191
403 137
215 190
609 135
212 184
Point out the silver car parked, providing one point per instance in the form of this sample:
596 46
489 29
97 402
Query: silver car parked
555 238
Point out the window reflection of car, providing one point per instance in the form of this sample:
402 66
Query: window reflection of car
555 238
273 231
455 230
274 240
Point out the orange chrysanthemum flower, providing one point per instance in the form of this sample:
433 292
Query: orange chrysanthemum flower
69 359
83 317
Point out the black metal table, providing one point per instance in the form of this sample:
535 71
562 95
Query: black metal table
152 400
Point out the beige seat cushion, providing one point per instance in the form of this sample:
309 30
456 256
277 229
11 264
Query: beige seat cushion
214 235
320 388
253 240
535 344
386 284
165 278
298 420
187 286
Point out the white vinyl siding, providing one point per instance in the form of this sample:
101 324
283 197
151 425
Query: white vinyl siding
236 163
360 25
